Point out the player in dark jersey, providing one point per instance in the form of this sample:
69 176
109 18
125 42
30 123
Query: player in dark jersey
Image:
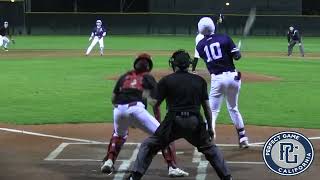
97 34
129 110
5 36
294 37
218 52
184 93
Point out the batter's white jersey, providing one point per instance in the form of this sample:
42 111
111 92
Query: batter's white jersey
199 37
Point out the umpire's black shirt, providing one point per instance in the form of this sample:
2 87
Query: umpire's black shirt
183 91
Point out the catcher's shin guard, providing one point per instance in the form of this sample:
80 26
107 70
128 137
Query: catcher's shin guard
169 154
114 147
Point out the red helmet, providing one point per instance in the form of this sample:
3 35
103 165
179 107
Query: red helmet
143 63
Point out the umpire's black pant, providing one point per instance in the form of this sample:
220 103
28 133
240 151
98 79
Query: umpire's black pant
191 128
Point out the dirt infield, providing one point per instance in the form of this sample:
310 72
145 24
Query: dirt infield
29 54
246 76
31 156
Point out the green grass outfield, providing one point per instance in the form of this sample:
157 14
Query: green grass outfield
75 89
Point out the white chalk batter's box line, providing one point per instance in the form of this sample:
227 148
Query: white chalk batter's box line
55 153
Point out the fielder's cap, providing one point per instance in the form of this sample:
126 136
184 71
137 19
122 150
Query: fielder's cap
206 26
98 21
291 28
6 22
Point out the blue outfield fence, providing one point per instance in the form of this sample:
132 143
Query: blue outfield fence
36 23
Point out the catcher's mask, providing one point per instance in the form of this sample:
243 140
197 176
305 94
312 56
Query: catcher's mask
143 63
180 59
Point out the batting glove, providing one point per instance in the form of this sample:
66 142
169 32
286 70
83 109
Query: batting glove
299 44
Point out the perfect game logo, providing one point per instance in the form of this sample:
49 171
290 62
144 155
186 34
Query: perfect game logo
288 153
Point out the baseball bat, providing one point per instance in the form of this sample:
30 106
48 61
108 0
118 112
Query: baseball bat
250 20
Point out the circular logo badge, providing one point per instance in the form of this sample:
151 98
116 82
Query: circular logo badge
288 153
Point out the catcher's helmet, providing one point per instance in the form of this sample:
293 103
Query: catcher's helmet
143 63
181 59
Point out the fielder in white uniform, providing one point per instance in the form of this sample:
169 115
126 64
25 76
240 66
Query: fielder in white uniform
130 110
4 36
218 52
97 35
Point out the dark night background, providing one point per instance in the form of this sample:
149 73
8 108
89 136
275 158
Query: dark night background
308 7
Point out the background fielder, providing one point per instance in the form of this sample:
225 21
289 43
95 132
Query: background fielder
294 37
5 36
218 52
98 33
130 111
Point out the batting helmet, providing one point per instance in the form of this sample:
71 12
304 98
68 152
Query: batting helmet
206 26
181 59
143 63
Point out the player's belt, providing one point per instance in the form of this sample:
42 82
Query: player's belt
186 114
129 104
218 73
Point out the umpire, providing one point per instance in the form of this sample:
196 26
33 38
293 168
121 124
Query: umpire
184 93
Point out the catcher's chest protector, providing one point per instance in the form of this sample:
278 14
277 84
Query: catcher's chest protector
133 81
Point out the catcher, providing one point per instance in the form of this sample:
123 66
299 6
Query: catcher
129 110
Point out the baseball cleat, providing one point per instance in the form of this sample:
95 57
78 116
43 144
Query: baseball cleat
244 144
6 49
107 167
177 172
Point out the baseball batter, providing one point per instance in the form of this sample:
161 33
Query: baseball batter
218 52
294 37
4 36
199 37
97 35
183 118
130 111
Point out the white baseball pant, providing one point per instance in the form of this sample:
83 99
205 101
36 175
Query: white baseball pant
4 41
93 43
137 116
225 85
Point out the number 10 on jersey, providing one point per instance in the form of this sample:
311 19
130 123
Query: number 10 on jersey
213 51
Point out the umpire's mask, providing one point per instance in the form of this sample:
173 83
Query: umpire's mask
180 59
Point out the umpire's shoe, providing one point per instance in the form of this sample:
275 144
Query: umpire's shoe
107 167
177 172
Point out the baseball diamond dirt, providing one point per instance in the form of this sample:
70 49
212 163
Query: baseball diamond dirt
74 151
